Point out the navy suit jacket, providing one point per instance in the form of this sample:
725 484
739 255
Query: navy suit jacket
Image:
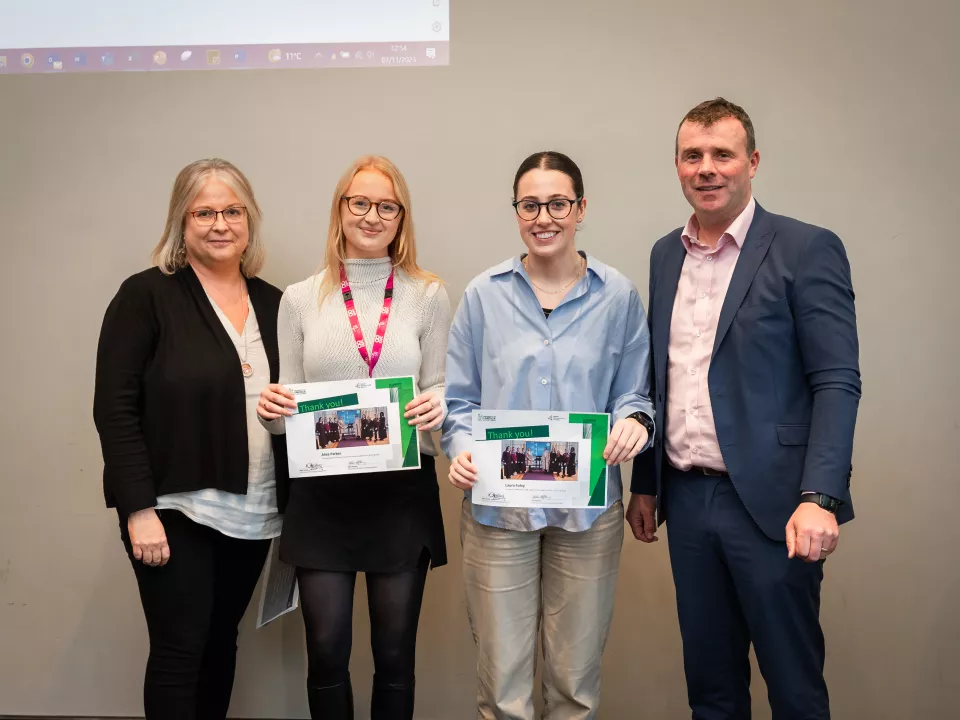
784 376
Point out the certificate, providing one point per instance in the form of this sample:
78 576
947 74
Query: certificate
351 426
280 593
532 458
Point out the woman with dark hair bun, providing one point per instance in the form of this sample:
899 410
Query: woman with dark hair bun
551 329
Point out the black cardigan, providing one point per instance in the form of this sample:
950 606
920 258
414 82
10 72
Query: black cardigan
169 401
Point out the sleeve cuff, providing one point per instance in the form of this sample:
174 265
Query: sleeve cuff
459 444
135 497
274 427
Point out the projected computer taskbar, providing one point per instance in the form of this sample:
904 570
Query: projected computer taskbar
326 55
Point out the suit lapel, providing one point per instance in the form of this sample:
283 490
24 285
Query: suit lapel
754 250
668 278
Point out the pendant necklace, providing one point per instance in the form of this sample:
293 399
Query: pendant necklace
245 366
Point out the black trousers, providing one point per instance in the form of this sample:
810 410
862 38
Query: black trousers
735 586
193 606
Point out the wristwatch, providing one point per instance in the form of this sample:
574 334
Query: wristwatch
644 420
830 504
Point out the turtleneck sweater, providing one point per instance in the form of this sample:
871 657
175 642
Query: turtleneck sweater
317 345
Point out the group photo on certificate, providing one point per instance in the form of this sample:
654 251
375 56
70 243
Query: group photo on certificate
351 428
537 460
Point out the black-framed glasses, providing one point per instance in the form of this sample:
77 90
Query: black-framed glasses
360 206
558 208
232 215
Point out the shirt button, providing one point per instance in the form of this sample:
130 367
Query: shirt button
693 371
696 450
699 333
546 342
693 411
703 296
709 258
543 381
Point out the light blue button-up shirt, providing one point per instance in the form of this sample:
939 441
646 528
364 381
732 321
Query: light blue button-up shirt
591 355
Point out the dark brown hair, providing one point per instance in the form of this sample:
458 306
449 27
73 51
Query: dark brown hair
551 160
711 111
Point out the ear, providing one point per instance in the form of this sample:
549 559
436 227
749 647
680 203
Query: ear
583 210
754 163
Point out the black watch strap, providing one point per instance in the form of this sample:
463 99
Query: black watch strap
830 504
643 419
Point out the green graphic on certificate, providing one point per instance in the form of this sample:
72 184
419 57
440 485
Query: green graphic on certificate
409 437
599 425
546 459
350 427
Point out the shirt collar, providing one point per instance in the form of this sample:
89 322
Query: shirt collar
515 265
737 231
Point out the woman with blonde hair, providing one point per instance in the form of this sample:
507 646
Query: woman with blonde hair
387 525
184 350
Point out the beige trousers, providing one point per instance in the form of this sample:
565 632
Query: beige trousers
552 581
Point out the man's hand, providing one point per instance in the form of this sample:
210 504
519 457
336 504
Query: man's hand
642 516
812 533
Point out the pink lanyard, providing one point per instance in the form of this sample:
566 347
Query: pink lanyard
370 360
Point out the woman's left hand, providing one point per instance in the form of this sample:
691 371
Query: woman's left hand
425 411
627 438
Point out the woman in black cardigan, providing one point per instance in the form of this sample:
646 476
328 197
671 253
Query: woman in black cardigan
184 350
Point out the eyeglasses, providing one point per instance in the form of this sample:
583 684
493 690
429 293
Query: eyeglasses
558 208
360 206
232 215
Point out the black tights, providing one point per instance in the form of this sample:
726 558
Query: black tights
327 603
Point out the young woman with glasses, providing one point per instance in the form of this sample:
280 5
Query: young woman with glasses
551 329
387 525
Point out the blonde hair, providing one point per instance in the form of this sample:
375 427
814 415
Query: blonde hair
403 248
170 254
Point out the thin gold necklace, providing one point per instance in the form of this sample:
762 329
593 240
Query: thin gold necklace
580 266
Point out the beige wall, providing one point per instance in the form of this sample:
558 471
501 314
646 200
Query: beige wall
856 109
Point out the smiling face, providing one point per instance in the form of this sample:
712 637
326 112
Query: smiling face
221 243
369 235
546 236
715 170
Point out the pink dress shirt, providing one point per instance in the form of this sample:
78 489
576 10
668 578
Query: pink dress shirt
690 433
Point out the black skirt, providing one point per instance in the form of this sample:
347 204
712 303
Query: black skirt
374 522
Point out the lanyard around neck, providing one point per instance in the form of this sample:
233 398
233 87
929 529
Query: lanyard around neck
371 358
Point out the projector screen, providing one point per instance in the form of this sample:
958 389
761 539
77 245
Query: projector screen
51 36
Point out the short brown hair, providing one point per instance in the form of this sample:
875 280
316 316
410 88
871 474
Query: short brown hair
711 111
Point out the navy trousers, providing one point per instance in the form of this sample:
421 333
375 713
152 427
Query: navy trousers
736 586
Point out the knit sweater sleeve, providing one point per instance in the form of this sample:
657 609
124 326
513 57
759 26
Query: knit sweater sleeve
290 341
433 343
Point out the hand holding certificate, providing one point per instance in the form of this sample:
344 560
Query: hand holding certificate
352 426
549 459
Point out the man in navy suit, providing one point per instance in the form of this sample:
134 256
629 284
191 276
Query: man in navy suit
756 386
